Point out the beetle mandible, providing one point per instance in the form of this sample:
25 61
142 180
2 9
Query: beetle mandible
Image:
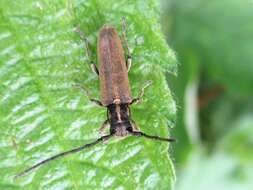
114 87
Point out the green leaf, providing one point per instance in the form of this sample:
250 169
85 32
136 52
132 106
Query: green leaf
41 114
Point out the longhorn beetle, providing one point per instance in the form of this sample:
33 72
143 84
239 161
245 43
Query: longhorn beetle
115 90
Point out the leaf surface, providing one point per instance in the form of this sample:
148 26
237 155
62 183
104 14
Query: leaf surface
42 114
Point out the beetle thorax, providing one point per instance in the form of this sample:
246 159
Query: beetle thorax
120 121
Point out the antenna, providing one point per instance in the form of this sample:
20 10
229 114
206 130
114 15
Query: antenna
141 134
78 149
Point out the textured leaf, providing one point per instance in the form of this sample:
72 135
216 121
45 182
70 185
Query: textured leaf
41 114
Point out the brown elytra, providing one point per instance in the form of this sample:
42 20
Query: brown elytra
114 83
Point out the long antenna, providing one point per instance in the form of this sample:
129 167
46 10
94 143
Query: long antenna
141 134
106 137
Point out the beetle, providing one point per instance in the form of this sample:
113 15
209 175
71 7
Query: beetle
114 87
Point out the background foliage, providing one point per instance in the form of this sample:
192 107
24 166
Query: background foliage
41 114
214 44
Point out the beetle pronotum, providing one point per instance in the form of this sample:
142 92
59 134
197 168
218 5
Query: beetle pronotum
115 90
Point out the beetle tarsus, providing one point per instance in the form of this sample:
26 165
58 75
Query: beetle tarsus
129 62
94 68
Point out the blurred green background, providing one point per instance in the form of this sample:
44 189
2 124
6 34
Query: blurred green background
213 41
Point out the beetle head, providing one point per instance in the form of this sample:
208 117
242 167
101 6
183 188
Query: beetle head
121 129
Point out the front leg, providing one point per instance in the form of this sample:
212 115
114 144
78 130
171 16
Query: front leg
105 125
141 93
134 125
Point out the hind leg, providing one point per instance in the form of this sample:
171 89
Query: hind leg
92 65
129 56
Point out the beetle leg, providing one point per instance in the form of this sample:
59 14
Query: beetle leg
92 65
141 93
105 125
99 103
129 56
134 125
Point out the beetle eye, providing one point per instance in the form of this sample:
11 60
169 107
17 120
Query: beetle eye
129 127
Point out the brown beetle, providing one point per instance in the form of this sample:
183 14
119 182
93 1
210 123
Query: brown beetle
115 90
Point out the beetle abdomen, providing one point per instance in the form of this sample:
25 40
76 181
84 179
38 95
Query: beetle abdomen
114 81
